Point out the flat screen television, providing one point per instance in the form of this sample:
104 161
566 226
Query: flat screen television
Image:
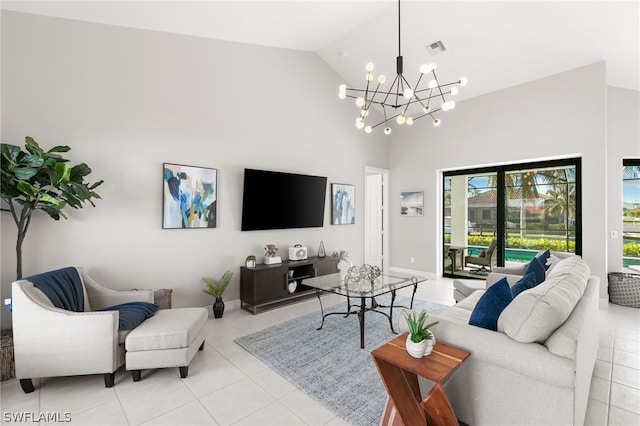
277 200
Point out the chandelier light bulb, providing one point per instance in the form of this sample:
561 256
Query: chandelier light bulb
436 122
400 119
409 121
359 123
342 95
368 129
387 130
382 79
408 93
433 84
359 101
426 109
369 77
364 112
454 91
449 105
426 68
463 81
369 67
342 88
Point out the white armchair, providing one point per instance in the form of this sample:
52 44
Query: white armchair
50 342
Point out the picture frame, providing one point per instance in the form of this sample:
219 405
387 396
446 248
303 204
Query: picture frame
343 210
411 203
189 197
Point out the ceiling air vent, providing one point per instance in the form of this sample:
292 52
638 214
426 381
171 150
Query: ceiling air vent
436 47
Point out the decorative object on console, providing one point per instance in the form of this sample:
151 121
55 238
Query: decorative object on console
297 252
270 257
189 199
321 251
411 203
341 256
404 99
250 262
420 339
343 204
216 289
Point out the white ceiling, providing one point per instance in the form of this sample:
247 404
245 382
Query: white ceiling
495 44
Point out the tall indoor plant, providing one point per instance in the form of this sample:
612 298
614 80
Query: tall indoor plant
40 180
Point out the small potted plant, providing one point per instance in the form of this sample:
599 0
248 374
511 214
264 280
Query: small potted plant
216 289
341 256
420 340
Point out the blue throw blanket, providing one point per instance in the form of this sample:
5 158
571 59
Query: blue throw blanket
132 313
62 286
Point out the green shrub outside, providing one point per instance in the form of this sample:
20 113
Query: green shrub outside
631 249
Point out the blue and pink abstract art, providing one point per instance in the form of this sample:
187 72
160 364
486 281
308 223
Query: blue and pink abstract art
189 197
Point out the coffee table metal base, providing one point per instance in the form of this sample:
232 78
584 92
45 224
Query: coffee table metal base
362 308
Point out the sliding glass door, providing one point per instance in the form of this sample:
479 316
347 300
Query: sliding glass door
631 215
506 214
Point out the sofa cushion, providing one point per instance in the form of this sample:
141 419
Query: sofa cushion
535 267
535 314
490 305
525 283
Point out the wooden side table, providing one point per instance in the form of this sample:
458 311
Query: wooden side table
399 372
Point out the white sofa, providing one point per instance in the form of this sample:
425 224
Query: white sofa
536 368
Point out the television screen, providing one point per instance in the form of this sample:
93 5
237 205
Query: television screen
276 200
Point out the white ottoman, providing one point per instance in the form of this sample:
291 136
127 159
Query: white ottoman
170 338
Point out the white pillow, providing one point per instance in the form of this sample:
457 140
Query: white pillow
536 313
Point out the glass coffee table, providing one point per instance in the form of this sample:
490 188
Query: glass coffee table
363 290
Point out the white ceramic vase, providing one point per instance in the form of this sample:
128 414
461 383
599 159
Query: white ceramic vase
420 349
414 349
430 343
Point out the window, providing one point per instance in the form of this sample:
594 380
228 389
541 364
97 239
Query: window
524 207
631 215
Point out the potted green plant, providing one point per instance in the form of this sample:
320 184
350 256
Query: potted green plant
341 256
216 289
36 179
420 340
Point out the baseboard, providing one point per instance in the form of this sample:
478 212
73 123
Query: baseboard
429 275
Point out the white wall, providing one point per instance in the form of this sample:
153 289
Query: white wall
128 100
623 141
562 115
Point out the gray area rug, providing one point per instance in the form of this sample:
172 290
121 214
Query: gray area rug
328 364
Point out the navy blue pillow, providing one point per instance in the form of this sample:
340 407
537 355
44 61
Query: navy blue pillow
536 267
526 282
490 305
543 257
133 313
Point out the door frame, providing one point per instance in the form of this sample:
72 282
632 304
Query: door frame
369 170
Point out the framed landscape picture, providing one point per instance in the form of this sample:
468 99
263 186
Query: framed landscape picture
189 198
411 203
343 210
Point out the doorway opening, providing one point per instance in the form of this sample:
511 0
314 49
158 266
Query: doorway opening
376 218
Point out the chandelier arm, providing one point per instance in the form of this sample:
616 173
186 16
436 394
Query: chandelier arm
372 96
390 89
439 87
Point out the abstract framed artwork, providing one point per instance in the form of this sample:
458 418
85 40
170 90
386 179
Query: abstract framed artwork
411 203
343 210
190 196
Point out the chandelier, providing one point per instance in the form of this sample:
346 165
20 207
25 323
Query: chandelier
402 102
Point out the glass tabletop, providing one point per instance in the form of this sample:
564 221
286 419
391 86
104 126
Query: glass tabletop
385 283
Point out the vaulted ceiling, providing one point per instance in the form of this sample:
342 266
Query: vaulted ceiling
494 44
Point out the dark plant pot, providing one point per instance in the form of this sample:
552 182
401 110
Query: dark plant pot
218 308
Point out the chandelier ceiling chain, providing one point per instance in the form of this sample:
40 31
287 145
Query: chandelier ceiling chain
401 97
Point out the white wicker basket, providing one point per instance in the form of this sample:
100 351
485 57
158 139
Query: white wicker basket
624 289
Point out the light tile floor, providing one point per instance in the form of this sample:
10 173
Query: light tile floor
227 386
